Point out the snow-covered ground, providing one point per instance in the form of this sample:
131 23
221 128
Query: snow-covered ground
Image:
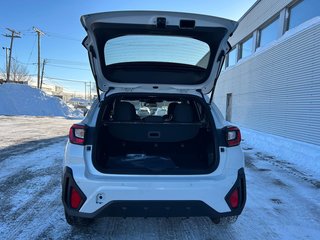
282 201
303 156
19 99
21 134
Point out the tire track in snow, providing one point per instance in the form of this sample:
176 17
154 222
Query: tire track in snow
28 146
41 200
288 186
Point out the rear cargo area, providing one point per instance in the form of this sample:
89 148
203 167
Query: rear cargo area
175 140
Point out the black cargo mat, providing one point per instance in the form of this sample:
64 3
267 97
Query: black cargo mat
153 162
139 161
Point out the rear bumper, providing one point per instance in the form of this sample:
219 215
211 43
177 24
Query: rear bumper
191 206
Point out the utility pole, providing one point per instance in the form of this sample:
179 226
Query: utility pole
42 73
39 33
5 48
87 85
13 35
90 93
85 91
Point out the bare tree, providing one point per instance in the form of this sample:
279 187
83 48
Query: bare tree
3 74
18 72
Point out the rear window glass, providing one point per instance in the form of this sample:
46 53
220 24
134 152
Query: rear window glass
145 109
151 48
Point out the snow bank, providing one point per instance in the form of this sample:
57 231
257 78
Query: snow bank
19 99
305 156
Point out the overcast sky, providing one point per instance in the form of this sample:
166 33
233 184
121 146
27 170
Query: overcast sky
59 20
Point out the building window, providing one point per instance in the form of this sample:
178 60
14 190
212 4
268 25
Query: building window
224 65
232 57
269 33
247 48
303 11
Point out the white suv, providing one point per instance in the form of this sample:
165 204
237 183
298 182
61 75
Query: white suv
184 162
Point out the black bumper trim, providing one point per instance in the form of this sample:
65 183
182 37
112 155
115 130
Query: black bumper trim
240 184
160 208
67 184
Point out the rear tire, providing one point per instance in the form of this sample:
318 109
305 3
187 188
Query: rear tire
77 221
224 220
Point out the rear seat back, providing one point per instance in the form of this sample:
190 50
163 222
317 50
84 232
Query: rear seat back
183 113
169 115
153 128
124 112
153 119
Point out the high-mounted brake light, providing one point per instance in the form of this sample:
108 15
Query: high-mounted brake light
77 134
233 136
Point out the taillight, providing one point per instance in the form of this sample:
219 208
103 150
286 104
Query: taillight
233 136
234 198
77 134
75 199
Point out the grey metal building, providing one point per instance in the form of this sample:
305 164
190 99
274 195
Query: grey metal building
271 79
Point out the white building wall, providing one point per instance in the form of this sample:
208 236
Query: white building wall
277 90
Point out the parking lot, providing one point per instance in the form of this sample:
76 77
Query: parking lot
282 202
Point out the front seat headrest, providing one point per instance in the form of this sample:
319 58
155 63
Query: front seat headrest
124 111
183 113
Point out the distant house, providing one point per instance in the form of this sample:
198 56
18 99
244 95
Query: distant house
271 78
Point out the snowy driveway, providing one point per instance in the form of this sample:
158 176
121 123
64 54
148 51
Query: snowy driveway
283 203
22 134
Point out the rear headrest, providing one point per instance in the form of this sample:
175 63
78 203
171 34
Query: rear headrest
183 113
124 111
171 107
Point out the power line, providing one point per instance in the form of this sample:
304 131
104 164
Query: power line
53 65
23 63
67 80
53 79
34 43
66 37
67 62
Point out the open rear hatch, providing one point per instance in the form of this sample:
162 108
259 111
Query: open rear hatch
156 50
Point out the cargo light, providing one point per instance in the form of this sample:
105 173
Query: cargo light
77 134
